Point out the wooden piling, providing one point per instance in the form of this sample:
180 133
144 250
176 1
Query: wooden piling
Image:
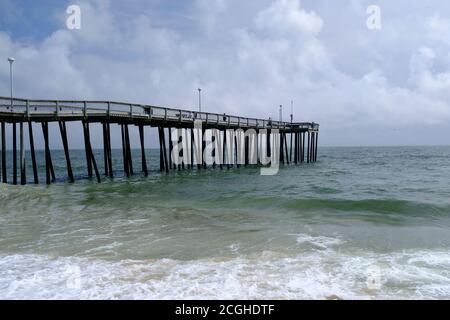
33 154
129 156
286 148
144 160
124 151
203 147
88 155
246 150
14 153
90 151
296 153
47 152
63 131
236 153
192 148
181 150
171 164
317 142
109 153
166 164
281 148
213 146
4 172
313 143
290 147
23 175
161 154
105 149
309 147
303 146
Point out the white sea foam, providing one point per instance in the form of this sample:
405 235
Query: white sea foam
314 275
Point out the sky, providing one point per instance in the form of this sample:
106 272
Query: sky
388 86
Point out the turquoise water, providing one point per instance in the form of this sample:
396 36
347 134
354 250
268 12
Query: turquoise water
367 223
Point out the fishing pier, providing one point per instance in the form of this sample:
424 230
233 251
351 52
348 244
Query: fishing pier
237 141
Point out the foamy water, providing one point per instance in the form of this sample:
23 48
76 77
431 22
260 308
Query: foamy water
356 225
268 275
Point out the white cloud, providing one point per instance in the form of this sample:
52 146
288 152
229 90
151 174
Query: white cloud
247 65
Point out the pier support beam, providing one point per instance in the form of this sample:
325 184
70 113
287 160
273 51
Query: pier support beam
129 156
144 160
312 146
303 143
63 131
109 153
23 174
172 166
163 163
309 148
105 149
180 152
14 153
4 172
286 148
86 149
89 152
203 147
166 162
290 148
317 140
296 153
192 151
33 154
161 154
124 151
48 163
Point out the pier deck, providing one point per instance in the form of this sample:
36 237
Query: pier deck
27 111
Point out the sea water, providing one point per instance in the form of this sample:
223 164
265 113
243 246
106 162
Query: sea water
361 223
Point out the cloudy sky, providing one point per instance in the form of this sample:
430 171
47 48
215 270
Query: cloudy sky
365 87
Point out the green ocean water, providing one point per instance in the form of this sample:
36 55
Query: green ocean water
367 223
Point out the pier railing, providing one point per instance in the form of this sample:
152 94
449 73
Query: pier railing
67 109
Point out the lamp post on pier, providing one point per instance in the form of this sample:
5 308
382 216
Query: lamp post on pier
199 100
11 61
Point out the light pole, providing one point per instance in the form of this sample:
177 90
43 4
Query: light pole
199 100
11 61
281 113
292 111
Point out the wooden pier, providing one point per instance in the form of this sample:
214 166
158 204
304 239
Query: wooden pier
22 113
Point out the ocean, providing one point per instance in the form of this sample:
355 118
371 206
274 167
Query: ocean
361 223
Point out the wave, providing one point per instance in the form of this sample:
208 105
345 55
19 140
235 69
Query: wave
266 275
380 206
